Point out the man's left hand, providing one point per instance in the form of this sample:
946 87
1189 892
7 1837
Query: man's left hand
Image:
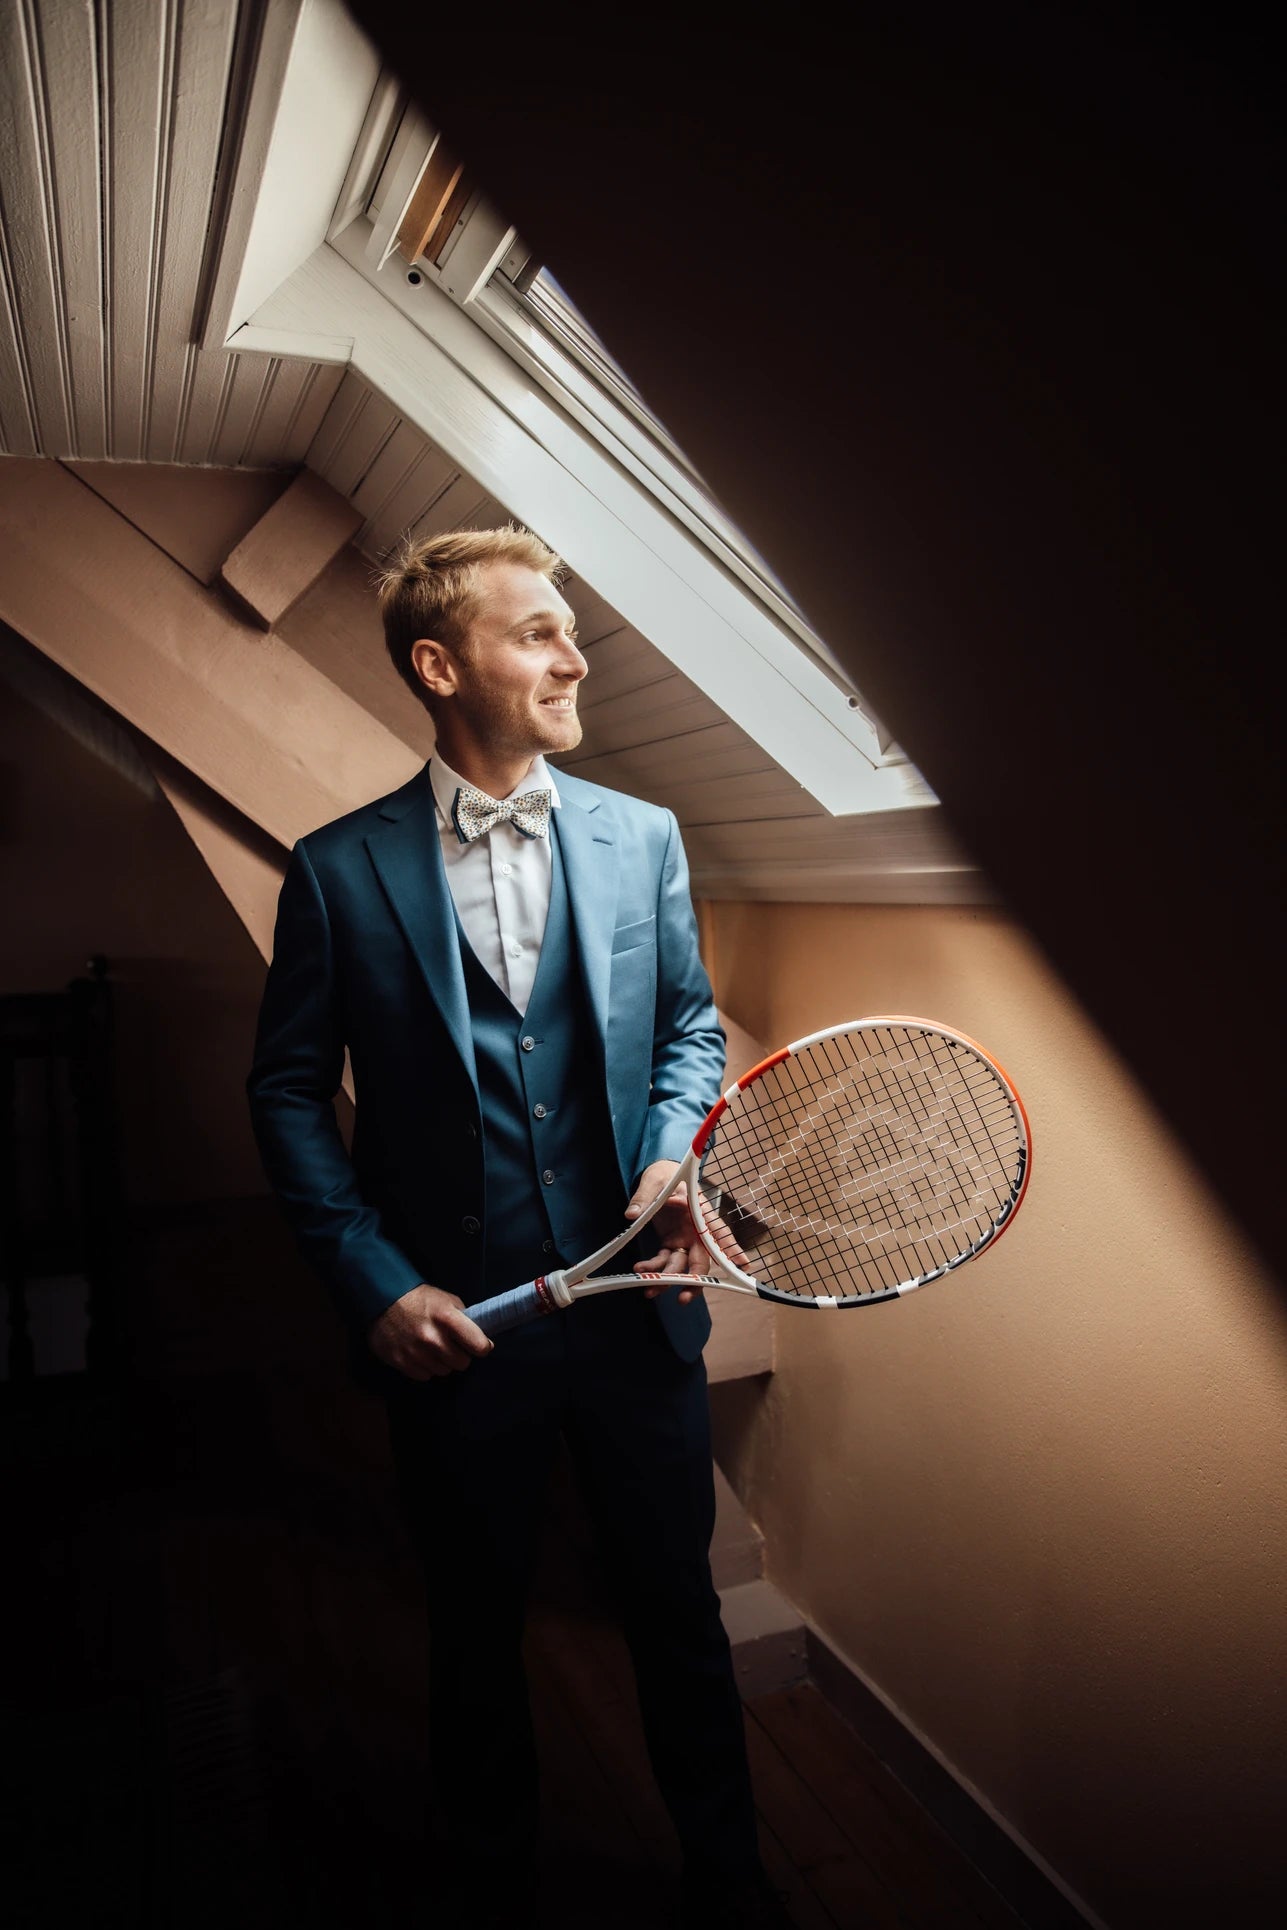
681 1248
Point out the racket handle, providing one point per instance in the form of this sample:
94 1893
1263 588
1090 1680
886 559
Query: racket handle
513 1309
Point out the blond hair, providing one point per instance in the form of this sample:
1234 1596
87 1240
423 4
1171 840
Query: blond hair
430 588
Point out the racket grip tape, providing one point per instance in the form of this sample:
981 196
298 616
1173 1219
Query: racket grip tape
512 1309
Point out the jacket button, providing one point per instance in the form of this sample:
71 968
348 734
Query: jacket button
527 1042
547 1246
547 1177
538 1111
470 1225
471 1129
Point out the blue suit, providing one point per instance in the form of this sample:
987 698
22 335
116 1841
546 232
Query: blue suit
452 1181
366 955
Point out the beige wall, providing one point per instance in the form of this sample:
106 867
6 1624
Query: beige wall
1040 1506
88 863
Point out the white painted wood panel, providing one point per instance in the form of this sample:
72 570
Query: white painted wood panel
410 499
595 616
621 663
319 382
675 708
280 406
718 750
193 125
240 409
33 249
140 40
69 103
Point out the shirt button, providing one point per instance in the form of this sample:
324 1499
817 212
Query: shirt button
507 871
527 1043
469 1224
516 951
547 1177
538 1112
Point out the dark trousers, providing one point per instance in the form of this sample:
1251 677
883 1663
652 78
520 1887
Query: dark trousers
473 1452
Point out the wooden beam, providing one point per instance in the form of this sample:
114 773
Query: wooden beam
245 714
289 547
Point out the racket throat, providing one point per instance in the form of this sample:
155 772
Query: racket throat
553 1291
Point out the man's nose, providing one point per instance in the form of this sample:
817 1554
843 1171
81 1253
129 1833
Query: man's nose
572 664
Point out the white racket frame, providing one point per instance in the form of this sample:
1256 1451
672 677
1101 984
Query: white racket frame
551 1291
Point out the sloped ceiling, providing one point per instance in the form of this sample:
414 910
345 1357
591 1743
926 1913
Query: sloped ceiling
117 130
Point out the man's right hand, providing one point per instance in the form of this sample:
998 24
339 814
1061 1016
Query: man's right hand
426 1334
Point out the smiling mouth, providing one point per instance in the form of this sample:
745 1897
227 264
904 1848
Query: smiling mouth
558 703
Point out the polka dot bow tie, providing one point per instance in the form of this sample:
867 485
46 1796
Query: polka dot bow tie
474 813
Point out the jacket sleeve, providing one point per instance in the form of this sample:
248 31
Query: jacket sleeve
297 1069
688 1049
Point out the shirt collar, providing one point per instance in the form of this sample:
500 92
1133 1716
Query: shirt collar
447 782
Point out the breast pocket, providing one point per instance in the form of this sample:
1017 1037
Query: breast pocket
628 938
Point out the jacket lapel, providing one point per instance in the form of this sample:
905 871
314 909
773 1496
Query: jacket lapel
586 841
407 856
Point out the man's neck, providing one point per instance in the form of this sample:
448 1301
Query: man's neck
496 773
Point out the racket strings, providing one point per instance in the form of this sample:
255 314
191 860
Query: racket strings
867 1160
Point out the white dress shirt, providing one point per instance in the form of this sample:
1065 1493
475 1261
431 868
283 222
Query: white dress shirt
500 884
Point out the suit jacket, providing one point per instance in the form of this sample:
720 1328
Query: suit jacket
366 957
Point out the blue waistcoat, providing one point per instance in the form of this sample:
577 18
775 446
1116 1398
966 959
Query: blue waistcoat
552 1184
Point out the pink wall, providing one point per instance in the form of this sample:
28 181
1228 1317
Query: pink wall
1040 1506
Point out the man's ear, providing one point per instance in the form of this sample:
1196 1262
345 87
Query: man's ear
435 666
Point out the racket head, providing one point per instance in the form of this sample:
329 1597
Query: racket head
860 1163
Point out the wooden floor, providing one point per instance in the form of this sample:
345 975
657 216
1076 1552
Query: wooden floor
215 1662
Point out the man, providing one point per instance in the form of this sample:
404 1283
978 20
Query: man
512 965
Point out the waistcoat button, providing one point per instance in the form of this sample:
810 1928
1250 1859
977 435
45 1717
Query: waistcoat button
547 1246
538 1112
547 1177
527 1043
470 1225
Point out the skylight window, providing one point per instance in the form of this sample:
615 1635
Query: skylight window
424 207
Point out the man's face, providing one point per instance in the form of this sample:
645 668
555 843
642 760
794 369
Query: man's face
516 677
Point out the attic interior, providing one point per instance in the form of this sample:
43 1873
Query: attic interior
1003 1565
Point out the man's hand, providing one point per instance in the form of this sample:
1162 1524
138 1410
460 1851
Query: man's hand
427 1334
681 1248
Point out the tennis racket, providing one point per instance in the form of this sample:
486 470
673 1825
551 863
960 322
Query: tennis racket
845 1171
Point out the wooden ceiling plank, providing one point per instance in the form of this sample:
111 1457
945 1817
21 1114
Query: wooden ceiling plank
289 547
208 385
620 665
366 434
137 110
246 397
241 710
279 412
193 120
393 464
624 724
71 103
452 507
320 388
410 501
347 402
31 279
718 750
594 614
